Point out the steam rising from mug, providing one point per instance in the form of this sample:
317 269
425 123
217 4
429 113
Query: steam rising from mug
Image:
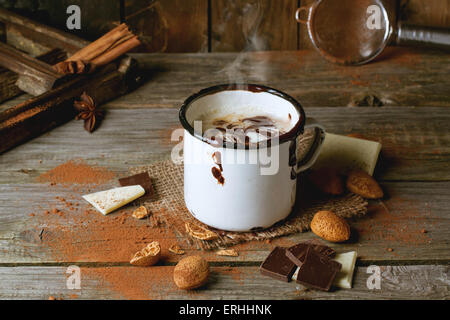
253 15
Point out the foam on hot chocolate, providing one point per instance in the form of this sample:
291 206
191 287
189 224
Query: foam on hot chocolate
245 128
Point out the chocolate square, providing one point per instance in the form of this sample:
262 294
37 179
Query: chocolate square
317 271
321 248
278 266
297 253
142 179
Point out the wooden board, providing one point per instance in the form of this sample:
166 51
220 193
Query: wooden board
402 77
415 142
181 26
397 282
169 25
432 13
255 25
96 18
35 38
8 87
413 221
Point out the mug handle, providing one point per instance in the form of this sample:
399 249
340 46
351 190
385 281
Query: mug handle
313 153
300 10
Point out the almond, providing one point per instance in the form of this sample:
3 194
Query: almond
361 183
176 249
199 232
147 256
191 272
141 213
227 253
329 226
327 180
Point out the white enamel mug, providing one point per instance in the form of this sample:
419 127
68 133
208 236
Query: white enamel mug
246 189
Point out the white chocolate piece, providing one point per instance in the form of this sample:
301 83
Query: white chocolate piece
346 153
345 275
110 200
294 276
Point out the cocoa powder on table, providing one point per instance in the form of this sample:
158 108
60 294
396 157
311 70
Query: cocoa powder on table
134 283
82 234
70 230
87 235
398 223
77 172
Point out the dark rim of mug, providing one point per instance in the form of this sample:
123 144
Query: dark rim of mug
361 61
290 135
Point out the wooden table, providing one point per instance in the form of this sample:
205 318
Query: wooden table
413 124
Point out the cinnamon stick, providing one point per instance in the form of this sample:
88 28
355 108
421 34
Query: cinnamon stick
102 44
102 51
117 51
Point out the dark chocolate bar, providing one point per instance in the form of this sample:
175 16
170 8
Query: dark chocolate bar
297 253
317 271
321 248
142 179
278 266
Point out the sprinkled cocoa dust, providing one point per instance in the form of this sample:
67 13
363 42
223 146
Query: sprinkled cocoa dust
135 282
71 231
83 234
76 172
402 224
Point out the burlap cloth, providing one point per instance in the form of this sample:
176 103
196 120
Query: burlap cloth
168 207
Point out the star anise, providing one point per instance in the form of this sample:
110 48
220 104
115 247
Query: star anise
88 112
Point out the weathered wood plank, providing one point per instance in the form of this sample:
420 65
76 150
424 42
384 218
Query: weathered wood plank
432 13
34 72
169 25
397 282
253 25
8 88
35 38
96 18
402 78
416 144
413 221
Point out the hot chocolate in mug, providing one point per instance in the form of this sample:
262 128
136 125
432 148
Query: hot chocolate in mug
240 155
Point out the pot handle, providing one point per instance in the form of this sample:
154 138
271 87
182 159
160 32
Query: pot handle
408 35
310 158
299 11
